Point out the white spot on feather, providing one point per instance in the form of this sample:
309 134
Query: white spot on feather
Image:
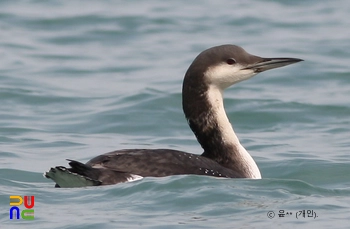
134 178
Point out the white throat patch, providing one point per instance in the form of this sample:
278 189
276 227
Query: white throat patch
216 100
225 75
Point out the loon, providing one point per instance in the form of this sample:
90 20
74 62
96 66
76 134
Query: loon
211 72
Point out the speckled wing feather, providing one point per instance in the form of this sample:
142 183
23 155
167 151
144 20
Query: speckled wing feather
159 163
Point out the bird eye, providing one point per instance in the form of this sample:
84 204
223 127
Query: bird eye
230 61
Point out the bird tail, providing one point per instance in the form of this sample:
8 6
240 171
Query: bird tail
77 176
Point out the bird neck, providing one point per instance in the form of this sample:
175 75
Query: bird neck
204 109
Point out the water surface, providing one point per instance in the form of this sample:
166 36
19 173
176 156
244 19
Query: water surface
82 78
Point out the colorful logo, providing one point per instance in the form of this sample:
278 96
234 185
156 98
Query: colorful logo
28 213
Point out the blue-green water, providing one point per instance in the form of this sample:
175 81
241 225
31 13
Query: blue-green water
82 78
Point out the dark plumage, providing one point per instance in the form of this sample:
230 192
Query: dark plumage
210 73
